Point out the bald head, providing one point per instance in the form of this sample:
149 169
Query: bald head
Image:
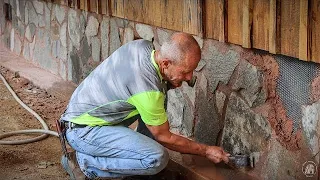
180 46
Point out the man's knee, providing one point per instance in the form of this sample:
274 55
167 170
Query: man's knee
158 161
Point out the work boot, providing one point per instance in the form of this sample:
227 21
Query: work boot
72 167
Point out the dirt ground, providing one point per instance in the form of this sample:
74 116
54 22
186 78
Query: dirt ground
39 160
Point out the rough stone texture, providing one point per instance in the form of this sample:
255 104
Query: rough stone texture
75 27
219 66
163 35
30 32
26 13
42 20
38 5
180 115
199 40
128 35
32 16
55 48
74 70
63 34
26 50
55 30
261 98
62 71
31 47
145 31
207 122
95 43
63 53
12 39
114 36
60 13
248 79
20 28
21 14
244 131
104 29
2 19
47 14
92 27
311 126
17 45
122 23
220 99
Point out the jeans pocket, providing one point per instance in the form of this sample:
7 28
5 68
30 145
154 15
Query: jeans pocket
82 133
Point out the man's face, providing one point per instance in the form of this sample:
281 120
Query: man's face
176 73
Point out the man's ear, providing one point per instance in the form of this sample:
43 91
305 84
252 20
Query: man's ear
165 63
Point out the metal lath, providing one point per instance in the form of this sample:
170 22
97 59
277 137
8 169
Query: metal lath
294 85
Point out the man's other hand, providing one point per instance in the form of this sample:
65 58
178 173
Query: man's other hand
217 154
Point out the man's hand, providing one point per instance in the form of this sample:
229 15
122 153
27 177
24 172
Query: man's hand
217 154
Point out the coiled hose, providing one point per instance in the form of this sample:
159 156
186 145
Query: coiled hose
45 131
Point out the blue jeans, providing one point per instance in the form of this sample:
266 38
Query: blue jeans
116 151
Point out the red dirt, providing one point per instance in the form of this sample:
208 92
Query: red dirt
315 86
277 116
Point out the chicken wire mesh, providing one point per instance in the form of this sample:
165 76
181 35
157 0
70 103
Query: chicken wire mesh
294 85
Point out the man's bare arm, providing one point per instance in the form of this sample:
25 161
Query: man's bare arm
184 145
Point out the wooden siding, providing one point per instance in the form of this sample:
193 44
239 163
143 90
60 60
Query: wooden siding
288 27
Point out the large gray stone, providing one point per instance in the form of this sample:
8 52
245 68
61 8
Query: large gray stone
199 40
219 67
55 30
180 115
42 54
207 120
60 13
63 71
104 29
75 28
92 27
26 50
47 16
49 5
63 53
122 23
21 28
38 5
114 36
31 47
22 5
248 80
311 126
12 39
145 31
128 35
163 35
55 48
85 52
63 34
17 9
220 100
244 131
42 20
26 13
74 69
17 45
95 44
32 16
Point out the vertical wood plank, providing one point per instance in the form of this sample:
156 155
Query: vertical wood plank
117 8
260 25
273 27
133 10
214 19
93 6
103 6
82 4
303 30
192 17
246 23
315 30
235 15
171 11
153 12
290 20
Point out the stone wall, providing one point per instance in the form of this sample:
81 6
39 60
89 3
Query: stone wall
234 103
